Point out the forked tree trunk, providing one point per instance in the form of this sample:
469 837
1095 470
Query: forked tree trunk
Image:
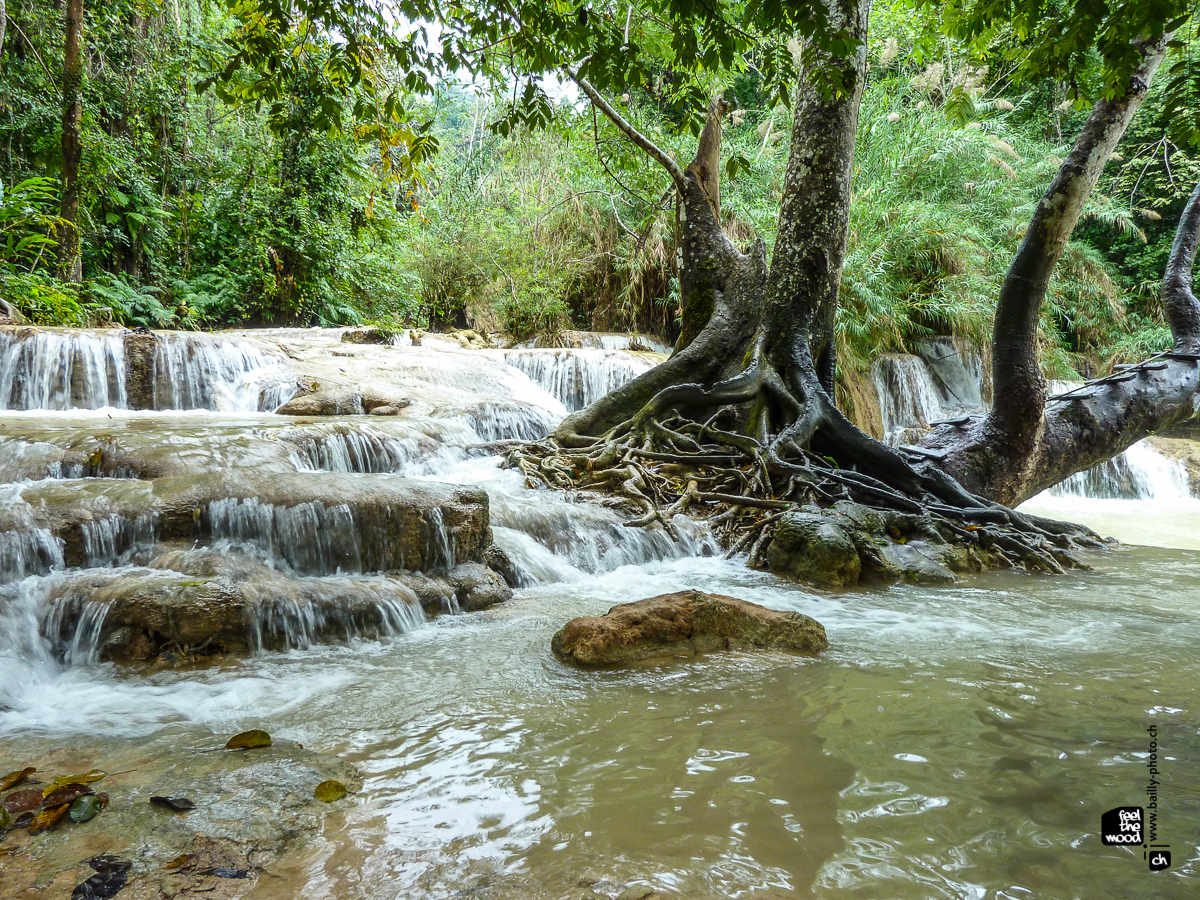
70 263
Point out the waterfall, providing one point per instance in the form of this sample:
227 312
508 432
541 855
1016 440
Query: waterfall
1140 473
333 608
195 371
309 538
107 541
943 382
25 553
578 377
359 449
91 370
56 370
501 420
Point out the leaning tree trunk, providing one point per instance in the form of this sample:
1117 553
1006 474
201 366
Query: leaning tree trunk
70 263
739 424
1029 441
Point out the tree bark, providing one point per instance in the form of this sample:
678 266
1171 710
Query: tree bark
3 26
70 263
998 458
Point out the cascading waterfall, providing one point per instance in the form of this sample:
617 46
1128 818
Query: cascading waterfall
1140 473
944 381
91 370
334 608
57 370
212 372
25 553
107 541
309 537
578 377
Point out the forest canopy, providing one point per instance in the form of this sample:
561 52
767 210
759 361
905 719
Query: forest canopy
257 163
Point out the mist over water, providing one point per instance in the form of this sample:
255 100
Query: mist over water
954 742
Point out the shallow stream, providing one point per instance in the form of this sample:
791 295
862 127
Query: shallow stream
954 742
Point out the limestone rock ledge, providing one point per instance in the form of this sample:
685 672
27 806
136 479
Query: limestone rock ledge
684 623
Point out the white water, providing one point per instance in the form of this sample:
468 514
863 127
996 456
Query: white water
956 742
60 370
578 378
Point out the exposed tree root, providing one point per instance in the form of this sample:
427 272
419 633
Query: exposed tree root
686 452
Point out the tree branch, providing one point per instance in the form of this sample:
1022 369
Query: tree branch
1178 299
1018 386
652 149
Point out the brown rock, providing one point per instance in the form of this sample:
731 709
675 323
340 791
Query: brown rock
688 622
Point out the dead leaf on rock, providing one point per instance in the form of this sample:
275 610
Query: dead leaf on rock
249 740
329 791
110 877
68 793
182 863
179 804
48 818
13 778
23 801
94 775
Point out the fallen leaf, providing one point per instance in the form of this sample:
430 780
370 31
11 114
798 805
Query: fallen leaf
102 886
24 820
48 818
68 793
179 804
109 863
94 775
182 863
329 791
5 819
249 740
84 809
13 778
96 457
224 872
23 801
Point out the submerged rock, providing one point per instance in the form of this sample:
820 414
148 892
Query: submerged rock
688 622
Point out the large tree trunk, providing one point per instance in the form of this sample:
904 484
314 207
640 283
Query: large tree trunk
1026 444
70 263
739 423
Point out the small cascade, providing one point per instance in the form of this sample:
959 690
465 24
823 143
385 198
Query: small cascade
309 538
333 609
25 553
1140 473
60 371
26 657
199 371
578 377
72 626
111 540
584 537
496 420
943 382
360 449
440 552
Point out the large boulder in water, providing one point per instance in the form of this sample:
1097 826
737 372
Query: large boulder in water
688 622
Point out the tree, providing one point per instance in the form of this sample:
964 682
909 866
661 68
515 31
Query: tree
741 416
70 261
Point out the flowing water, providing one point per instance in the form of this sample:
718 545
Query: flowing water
954 742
